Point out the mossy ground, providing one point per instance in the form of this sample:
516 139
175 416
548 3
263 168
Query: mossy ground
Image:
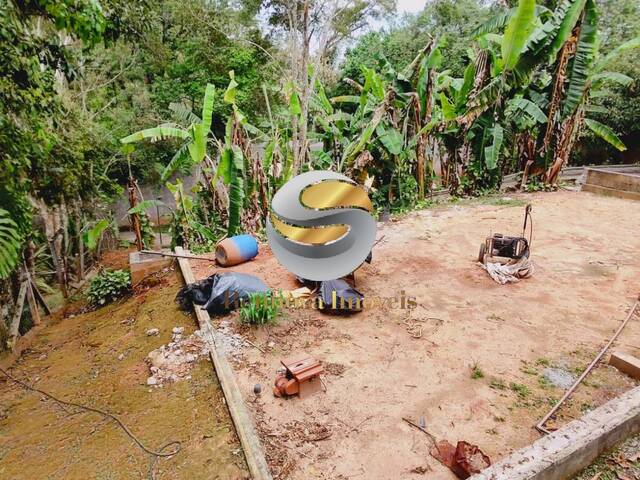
97 359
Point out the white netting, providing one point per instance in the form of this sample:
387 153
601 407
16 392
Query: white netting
512 271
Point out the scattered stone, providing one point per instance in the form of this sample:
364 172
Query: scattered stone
152 332
121 356
559 378
152 381
179 330
172 362
336 369
231 343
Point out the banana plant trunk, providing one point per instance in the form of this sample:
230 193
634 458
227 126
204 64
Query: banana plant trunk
134 218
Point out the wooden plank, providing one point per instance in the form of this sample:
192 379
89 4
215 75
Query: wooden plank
573 447
615 180
610 192
141 266
14 329
40 298
33 305
249 440
626 364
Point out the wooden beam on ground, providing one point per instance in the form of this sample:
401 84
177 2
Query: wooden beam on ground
249 440
626 364
570 449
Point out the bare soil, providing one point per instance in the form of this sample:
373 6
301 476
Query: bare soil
471 358
98 359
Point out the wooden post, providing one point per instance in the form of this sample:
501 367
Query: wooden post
134 218
14 329
40 298
249 440
33 305
80 272
59 268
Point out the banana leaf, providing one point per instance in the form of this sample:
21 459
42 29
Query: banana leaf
566 16
492 152
156 133
519 28
605 133
92 236
207 107
180 158
10 244
236 194
232 89
583 61
390 138
628 45
612 77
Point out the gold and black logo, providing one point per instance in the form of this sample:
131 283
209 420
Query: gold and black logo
320 226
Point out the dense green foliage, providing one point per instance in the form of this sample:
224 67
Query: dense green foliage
107 286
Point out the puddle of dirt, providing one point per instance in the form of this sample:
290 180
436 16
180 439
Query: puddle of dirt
98 359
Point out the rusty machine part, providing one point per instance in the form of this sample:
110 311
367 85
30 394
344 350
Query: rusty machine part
464 459
298 376
506 247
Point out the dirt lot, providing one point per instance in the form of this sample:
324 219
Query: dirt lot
476 372
97 359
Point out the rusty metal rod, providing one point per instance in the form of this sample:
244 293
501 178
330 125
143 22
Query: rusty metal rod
540 426
175 255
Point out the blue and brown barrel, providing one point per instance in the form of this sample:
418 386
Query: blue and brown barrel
236 250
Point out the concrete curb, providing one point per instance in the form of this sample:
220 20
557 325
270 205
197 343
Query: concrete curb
573 447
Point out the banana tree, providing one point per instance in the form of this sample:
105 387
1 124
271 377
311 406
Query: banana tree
241 169
586 80
373 132
195 136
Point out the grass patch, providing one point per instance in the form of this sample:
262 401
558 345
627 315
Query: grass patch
522 390
545 362
544 383
260 309
497 384
476 371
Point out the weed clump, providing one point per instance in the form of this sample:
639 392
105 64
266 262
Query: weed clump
476 371
260 309
107 286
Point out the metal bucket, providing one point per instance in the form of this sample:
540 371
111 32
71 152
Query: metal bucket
236 250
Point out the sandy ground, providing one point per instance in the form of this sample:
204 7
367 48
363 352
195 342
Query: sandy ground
585 250
97 359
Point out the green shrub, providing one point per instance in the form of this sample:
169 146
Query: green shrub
108 286
260 309
476 371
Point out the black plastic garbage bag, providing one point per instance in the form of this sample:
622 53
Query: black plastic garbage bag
221 292
339 297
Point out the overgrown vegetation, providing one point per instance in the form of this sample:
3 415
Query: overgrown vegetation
107 286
